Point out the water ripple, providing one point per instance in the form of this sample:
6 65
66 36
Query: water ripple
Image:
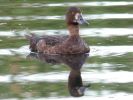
57 17
101 3
93 77
85 32
24 50
110 50
110 96
24 18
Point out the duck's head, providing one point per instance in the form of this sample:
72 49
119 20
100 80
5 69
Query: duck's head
74 16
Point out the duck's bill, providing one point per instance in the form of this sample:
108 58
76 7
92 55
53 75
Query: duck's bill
81 20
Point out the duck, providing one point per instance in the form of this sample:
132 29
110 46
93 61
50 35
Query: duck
71 44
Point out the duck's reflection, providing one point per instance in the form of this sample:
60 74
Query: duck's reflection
75 62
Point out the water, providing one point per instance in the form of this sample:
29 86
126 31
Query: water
107 69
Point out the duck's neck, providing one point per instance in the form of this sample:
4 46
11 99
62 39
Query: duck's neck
73 30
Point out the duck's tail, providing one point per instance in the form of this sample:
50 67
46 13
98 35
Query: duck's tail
32 41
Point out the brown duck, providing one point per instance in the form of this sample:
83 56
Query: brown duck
72 44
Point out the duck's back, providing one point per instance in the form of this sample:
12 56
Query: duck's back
49 40
72 45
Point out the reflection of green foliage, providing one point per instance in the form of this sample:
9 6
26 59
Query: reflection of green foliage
42 89
46 89
112 23
26 65
115 87
122 62
47 11
60 24
42 24
14 9
47 1
12 42
108 41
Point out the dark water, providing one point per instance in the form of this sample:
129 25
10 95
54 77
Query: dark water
106 72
